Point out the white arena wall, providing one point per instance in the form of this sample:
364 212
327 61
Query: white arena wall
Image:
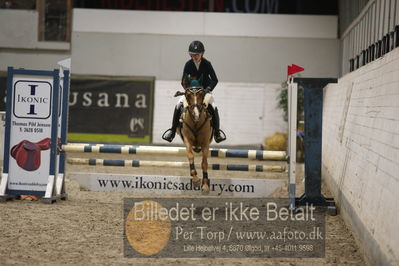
248 112
250 53
361 155
243 48
19 45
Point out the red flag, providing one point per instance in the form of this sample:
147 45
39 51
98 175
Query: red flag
289 70
294 69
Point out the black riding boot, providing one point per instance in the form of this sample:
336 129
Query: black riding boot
216 124
169 135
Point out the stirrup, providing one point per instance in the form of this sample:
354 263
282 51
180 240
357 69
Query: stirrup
171 137
219 137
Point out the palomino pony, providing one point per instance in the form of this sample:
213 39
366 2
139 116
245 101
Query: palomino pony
196 129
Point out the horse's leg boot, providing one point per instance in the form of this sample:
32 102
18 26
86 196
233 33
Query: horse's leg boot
216 124
169 135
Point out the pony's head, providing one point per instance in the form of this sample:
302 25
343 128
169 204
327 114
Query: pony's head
195 93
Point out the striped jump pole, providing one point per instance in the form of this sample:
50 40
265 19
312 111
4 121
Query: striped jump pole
180 151
136 163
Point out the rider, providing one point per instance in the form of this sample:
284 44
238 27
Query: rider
196 67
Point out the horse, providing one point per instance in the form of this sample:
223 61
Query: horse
196 129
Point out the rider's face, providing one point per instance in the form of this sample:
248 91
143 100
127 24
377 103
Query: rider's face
196 57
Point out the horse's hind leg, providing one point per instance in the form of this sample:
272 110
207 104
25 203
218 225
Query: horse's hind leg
190 155
204 164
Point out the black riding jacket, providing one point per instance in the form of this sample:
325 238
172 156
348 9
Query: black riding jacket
205 69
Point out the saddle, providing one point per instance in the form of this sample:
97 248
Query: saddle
27 154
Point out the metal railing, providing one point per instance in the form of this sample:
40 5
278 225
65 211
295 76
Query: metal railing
371 34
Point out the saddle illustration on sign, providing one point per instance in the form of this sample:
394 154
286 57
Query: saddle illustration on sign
27 154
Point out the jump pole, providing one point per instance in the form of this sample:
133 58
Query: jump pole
140 163
177 151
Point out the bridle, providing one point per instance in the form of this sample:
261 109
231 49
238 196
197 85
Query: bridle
191 110
191 107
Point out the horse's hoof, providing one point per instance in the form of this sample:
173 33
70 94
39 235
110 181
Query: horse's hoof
196 181
205 189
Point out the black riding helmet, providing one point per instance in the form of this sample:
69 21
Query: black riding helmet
196 47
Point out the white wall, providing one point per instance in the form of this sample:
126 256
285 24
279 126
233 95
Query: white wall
248 112
31 59
361 154
250 48
205 24
19 45
18 33
250 53
19 29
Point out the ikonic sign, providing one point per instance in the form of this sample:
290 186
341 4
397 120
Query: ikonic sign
30 141
32 99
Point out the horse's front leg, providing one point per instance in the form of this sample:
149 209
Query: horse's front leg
190 155
204 164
